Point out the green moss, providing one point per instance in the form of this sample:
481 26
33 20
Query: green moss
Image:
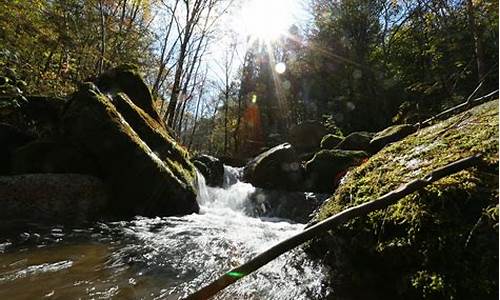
446 232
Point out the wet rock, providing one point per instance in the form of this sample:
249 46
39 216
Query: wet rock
294 206
327 167
390 135
53 198
277 168
306 137
359 141
52 156
330 141
147 171
211 168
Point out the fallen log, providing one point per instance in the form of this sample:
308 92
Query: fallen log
320 228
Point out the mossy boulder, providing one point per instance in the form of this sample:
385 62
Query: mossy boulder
51 156
438 243
51 198
327 167
390 135
147 171
330 141
359 141
277 168
128 80
211 168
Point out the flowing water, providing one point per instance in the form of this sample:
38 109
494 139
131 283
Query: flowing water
160 258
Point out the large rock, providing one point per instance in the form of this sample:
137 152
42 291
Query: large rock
277 168
54 198
211 168
390 135
52 156
10 138
330 141
147 171
359 141
127 79
438 243
327 167
306 137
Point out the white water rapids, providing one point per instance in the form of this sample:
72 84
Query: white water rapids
161 258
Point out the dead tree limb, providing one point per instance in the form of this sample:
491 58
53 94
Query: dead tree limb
329 223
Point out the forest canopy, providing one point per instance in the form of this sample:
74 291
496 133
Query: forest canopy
357 65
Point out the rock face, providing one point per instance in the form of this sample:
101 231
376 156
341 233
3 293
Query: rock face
126 79
277 168
438 243
59 198
327 167
10 138
211 168
147 171
356 141
330 141
51 156
306 137
390 135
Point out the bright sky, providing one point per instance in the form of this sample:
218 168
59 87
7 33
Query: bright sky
262 20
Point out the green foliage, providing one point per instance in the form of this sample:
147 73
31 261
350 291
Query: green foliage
54 45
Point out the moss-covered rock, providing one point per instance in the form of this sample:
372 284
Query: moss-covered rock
127 79
438 243
390 135
359 141
148 173
327 167
330 141
277 168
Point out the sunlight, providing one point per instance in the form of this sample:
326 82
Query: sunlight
266 20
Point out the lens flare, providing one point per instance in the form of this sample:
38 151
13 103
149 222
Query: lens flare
280 68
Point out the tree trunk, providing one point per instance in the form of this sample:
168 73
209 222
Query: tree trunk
478 44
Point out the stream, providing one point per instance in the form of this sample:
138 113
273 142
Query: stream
160 258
